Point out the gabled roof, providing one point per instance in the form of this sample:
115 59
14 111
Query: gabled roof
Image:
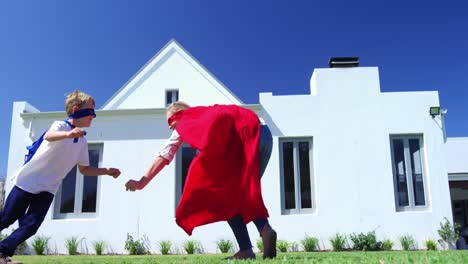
158 59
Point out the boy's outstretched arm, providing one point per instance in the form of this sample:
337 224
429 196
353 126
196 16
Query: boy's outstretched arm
53 135
158 164
91 171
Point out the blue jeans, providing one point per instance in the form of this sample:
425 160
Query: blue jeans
266 145
16 204
237 224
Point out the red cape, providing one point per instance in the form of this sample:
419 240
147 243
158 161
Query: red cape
224 178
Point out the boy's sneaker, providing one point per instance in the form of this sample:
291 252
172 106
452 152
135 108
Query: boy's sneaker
6 260
243 254
269 241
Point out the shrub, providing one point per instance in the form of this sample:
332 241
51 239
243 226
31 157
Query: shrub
338 242
387 244
407 242
294 246
225 245
366 242
260 244
40 244
165 246
99 246
309 243
136 247
192 246
72 244
20 248
448 232
282 245
431 244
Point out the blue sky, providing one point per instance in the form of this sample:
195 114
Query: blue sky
49 48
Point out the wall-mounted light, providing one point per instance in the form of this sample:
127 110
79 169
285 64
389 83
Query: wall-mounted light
434 111
437 111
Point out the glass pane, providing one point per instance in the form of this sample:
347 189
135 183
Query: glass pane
67 200
187 156
400 170
172 96
168 98
304 165
416 171
288 174
89 199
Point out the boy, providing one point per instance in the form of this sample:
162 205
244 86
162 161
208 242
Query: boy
37 181
224 178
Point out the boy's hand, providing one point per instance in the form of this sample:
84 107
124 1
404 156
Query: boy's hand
133 185
76 133
113 172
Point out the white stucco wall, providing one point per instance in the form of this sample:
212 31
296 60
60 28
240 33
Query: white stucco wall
19 138
350 122
172 68
457 155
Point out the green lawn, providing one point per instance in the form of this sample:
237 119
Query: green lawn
301 257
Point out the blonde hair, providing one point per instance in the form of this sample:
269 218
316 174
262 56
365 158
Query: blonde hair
77 98
177 106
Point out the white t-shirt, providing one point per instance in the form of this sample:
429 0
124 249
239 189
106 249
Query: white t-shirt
52 162
172 145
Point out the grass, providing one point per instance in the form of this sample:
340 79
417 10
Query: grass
381 257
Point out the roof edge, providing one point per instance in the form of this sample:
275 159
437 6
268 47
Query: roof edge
118 112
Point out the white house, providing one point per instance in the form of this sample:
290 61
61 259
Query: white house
457 166
346 158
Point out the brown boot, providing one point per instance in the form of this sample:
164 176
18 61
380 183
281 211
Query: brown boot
243 254
269 241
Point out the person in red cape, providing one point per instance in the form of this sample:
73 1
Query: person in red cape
223 181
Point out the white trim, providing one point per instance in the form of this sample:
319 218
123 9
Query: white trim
297 187
171 46
458 176
120 112
174 98
116 112
408 173
458 138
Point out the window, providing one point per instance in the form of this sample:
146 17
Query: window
171 96
296 175
78 195
184 157
408 172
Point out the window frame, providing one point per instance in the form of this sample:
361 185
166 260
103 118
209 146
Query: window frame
172 91
79 184
408 172
178 173
297 187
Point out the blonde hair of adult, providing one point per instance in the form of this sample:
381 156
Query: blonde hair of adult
177 106
77 98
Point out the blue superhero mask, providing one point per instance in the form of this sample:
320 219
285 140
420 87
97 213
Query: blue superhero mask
82 113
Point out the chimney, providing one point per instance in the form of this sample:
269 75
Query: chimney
343 62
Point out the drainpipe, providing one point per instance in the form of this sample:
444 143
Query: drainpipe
443 112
